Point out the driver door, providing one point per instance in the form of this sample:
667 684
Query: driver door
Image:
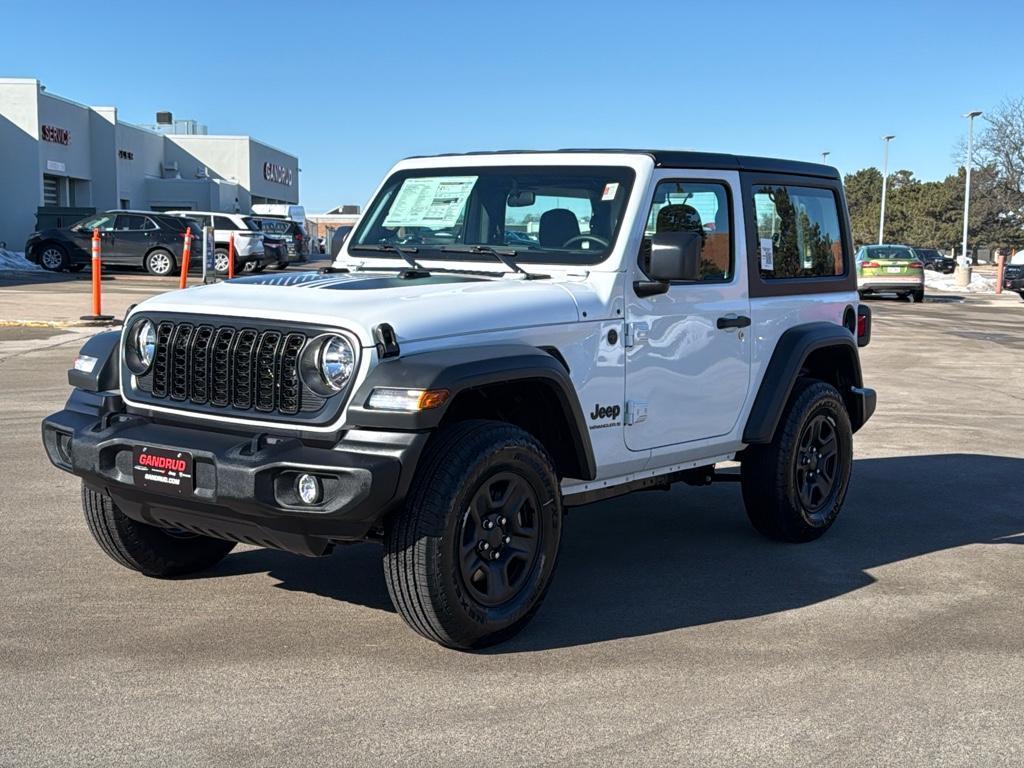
688 349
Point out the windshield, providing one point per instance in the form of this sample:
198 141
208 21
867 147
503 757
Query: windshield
547 214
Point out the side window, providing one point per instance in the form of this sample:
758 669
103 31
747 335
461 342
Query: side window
697 206
798 232
148 223
223 222
129 222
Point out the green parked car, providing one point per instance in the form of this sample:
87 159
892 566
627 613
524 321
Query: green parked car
890 269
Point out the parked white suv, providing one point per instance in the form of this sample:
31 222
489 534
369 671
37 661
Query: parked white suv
249 254
503 336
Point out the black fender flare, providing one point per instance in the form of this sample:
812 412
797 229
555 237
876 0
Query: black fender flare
460 369
105 374
793 349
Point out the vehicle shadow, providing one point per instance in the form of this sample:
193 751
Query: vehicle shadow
16 278
660 561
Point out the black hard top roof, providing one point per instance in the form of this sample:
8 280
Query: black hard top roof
672 158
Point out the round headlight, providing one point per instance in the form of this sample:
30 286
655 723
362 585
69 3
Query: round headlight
141 347
336 362
145 342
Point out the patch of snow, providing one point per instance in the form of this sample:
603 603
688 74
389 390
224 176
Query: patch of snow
15 261
935 281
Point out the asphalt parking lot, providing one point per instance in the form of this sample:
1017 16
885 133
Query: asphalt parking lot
673 634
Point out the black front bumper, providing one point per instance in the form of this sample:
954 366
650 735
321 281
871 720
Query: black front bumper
244 483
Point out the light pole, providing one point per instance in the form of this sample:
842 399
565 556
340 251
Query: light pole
824 157
963 272
885 184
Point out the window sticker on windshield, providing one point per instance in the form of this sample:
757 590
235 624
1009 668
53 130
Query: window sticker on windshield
610 190
767 254
435 203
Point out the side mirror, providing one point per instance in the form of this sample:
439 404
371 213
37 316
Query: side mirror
675 256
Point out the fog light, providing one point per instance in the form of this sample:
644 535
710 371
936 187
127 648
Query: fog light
308 488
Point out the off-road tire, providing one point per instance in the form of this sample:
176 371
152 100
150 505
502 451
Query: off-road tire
159 262
425 542
54 257
771 473
145 548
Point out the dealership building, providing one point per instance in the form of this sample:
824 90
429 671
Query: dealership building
60 161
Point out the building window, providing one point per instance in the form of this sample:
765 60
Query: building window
51 191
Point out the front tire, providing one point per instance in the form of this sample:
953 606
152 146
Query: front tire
794 487
145 548
470 558
159 262
53 257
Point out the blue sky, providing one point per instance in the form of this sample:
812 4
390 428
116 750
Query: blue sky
352 87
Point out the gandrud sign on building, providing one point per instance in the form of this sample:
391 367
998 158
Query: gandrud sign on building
279 174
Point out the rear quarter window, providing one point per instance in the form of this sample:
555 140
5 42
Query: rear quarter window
798 232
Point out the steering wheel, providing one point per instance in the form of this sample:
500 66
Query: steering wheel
581 238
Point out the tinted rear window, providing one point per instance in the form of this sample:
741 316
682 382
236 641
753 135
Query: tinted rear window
888 252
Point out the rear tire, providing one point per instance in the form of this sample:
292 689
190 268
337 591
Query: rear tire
220 261
470 558
145 548
159 262
794 487
917 297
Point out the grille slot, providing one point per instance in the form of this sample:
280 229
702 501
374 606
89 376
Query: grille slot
180 375
201 363
290 387
266 374
161 358
240 369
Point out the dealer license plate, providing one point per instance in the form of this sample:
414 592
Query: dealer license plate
162 470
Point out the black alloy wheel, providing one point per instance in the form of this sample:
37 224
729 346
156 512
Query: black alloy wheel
500 539
817 464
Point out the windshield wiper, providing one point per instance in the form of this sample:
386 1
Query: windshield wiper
505 256
415 271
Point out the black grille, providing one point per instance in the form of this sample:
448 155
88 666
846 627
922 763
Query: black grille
238 368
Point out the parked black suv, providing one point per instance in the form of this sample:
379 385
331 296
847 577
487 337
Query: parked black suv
128 238
291 233
1013 274
936 261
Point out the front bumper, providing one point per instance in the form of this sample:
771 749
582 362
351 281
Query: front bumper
243 483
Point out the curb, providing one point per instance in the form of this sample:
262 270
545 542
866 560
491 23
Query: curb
56 323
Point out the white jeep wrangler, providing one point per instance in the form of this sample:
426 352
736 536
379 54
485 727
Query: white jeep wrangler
503 336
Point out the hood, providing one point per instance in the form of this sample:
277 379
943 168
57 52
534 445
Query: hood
417 308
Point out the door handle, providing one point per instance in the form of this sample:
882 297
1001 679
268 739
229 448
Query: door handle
732 321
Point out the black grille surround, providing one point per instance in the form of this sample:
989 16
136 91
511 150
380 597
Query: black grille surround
237 367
